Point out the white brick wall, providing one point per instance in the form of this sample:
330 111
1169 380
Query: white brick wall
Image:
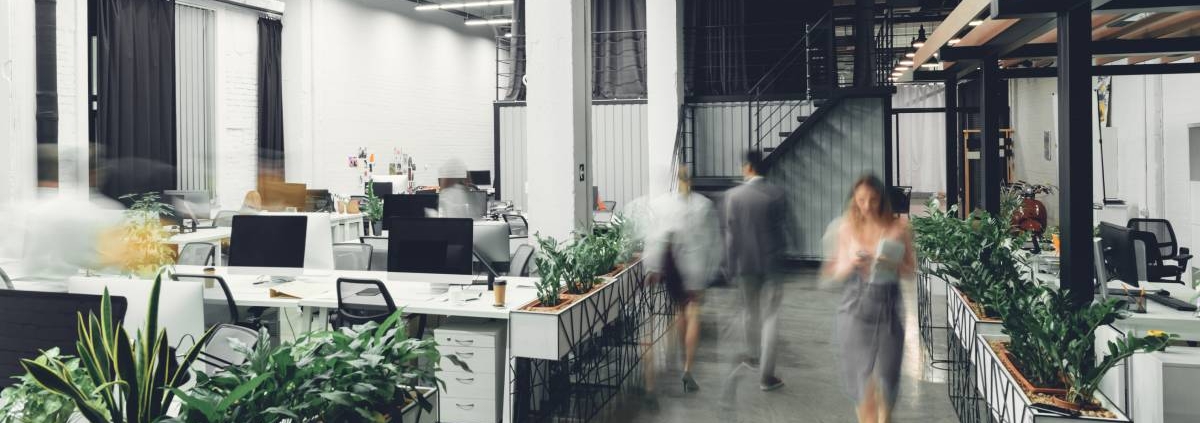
237 104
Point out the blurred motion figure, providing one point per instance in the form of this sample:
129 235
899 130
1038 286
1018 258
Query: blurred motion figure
872 250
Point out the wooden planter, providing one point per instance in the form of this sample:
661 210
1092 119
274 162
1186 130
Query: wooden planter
965 318
1008 394
548 334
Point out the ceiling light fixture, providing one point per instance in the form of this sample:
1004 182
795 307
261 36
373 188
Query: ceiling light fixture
507 35
474 22
931 65
910 54
906 62
954 41
920 40
463 5
902 68
976 22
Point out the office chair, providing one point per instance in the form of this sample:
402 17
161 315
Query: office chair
5 281
379 249
901 198
352 256
253 322
517 225
610 206
361 301
224 219
1165 248
519 265
218 353
197 254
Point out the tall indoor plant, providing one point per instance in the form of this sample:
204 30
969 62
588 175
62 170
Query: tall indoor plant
29 402
144 245
373 208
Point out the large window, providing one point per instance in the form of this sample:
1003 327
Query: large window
194 87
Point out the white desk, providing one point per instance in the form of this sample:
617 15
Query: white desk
343 227
203 235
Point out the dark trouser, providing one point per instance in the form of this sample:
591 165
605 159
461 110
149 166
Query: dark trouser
761 296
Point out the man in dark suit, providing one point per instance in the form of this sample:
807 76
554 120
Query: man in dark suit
754 223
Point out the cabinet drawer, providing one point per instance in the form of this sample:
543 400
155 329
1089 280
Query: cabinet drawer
481 360
468 411
465 339
469 385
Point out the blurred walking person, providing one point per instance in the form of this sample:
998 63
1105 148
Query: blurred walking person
753 221
873 250
683 251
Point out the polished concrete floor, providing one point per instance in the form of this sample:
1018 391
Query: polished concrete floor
808 363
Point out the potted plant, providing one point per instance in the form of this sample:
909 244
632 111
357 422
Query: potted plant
30 402
373 209
135 379
367 373
143 248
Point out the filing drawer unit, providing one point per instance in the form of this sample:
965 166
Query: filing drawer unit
474 396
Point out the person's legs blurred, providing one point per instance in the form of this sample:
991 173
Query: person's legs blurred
690 328
773 294
868 409
752 316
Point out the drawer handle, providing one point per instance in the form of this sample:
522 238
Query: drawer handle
466 406
465 380
465 341
465 354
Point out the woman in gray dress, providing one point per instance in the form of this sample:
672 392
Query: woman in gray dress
873 252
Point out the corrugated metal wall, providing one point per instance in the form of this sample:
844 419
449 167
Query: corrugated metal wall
819 170
722 132
194 96
619 163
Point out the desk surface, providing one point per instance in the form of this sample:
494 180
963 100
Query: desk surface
201 235
1157 316
415 293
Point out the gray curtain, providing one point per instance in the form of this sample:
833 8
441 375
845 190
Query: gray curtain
619 49
715 43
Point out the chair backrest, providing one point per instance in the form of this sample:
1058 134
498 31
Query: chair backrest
197 254
363 300
517 225
219 353
229 302
224 218
519 266
352 256
5 281
610 206
1167 245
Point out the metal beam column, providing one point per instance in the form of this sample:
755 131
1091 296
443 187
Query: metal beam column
952 154
990 110
1075 151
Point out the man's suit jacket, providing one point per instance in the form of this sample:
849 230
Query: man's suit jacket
754 223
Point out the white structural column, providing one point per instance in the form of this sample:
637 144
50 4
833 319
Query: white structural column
664 83
18 163
559 73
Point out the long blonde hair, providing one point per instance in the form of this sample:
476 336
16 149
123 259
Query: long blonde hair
883 211
253 200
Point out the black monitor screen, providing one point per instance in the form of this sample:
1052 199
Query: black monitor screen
480 177
407 205
381 188
36 321
268 241
1119 256
430 245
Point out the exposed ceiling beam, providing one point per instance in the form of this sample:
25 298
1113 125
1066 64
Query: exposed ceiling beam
1135 6
1008 9
1192 30
1159 47
1144 69
1098 21
962 15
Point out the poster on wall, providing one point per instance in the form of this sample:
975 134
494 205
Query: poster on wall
1104 100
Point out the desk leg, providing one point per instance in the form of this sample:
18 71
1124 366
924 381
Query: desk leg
217 258
322 318
506 390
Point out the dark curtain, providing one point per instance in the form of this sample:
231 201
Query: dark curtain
516 54
619 49
715 43
135 83
270 99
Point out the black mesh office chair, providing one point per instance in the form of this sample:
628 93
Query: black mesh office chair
197 254
519 265
379 249
352 256
1162 249
517 225
253 322
219 352
361 301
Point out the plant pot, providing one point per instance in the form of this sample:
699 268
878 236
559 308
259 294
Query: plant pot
966 319
564 300
376 228
549 333
1011 398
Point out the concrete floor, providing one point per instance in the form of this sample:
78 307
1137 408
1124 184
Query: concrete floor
808 363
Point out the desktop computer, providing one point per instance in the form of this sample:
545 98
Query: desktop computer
407 205
430 245
268 241
480 178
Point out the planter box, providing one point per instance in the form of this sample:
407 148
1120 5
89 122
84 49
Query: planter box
1007 402
964 322
550 335
413 413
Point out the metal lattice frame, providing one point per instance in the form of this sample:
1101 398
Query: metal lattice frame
607 347
925 317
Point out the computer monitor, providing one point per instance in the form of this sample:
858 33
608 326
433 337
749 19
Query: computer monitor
430 245
1119 256
319 200
480 177
407 205
32 321
268 241
382 188
189 204
180 305
490 240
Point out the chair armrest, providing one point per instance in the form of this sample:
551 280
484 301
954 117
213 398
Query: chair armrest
1185 251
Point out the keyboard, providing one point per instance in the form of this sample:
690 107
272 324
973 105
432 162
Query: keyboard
1172 302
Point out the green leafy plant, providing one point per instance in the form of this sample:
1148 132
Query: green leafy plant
551 264
143 235
1052 341
134 379
29 402
373 207
362 374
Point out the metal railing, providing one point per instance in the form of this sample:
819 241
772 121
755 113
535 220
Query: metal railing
618 66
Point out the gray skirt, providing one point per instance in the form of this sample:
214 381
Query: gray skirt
870 335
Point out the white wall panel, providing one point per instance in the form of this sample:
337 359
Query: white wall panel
619 163
722 134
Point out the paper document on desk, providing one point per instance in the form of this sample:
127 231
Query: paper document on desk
297 290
